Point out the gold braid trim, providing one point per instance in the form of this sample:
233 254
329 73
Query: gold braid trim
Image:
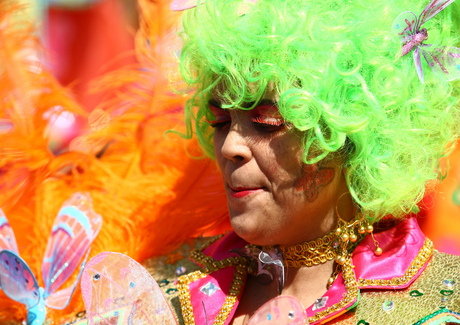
310 253
184 294
351 287
211 265
422 257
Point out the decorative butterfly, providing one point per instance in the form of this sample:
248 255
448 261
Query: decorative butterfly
118 290
444 61
74 229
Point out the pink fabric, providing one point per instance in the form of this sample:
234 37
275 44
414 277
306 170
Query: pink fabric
334 294
400 245
221 249
222 279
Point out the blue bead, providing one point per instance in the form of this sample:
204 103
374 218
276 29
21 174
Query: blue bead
269 316
115 313
397 26
458 66
132 284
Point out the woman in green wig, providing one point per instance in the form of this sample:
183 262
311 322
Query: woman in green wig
328 120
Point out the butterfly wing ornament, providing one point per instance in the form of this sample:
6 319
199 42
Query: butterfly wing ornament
445 62
18 283
433 8
404 27
7 238
281 310
74 229
117 289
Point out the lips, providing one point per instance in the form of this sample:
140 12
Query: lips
240 192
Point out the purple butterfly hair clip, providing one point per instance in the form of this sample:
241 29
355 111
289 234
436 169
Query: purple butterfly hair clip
444 61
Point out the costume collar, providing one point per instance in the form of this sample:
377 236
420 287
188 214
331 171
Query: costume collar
406 252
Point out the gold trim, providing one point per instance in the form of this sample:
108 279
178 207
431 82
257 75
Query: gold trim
184 294
211 265
422 257
351 286
310 253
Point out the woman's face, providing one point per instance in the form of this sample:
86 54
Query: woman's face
273 197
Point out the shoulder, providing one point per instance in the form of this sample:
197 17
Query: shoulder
433 298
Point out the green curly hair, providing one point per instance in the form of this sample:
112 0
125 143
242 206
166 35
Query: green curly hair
340 80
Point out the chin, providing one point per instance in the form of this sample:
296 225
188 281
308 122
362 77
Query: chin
250 231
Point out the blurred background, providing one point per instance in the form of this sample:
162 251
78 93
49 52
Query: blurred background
85 39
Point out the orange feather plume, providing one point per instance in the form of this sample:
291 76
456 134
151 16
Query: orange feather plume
151 191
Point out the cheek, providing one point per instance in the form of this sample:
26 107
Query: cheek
218 140
313 177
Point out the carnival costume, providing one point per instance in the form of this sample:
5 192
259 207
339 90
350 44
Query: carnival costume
392 128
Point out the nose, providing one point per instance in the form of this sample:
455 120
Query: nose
236 146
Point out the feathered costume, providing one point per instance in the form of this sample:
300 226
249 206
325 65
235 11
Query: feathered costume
142 181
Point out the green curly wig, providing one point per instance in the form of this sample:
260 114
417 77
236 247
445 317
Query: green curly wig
340 80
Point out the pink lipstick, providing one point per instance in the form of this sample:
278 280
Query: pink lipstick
240 192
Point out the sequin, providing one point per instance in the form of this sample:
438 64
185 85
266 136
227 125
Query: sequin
388 305
449 283
132 284
291 314
320 303
415 293
180 270
269 316
397 26
115 313
445 299
458 66
209 289
96 277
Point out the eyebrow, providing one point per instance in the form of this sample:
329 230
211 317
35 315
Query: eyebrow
263 102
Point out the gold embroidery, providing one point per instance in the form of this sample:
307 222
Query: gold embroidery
351 287
184 294
409 309
235 289
211 265
422 257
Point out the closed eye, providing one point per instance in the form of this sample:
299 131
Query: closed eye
217 124
269 124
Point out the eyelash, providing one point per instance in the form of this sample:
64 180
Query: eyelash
217 123
260 120
268 121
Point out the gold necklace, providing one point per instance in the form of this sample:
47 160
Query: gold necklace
310 253
333 245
